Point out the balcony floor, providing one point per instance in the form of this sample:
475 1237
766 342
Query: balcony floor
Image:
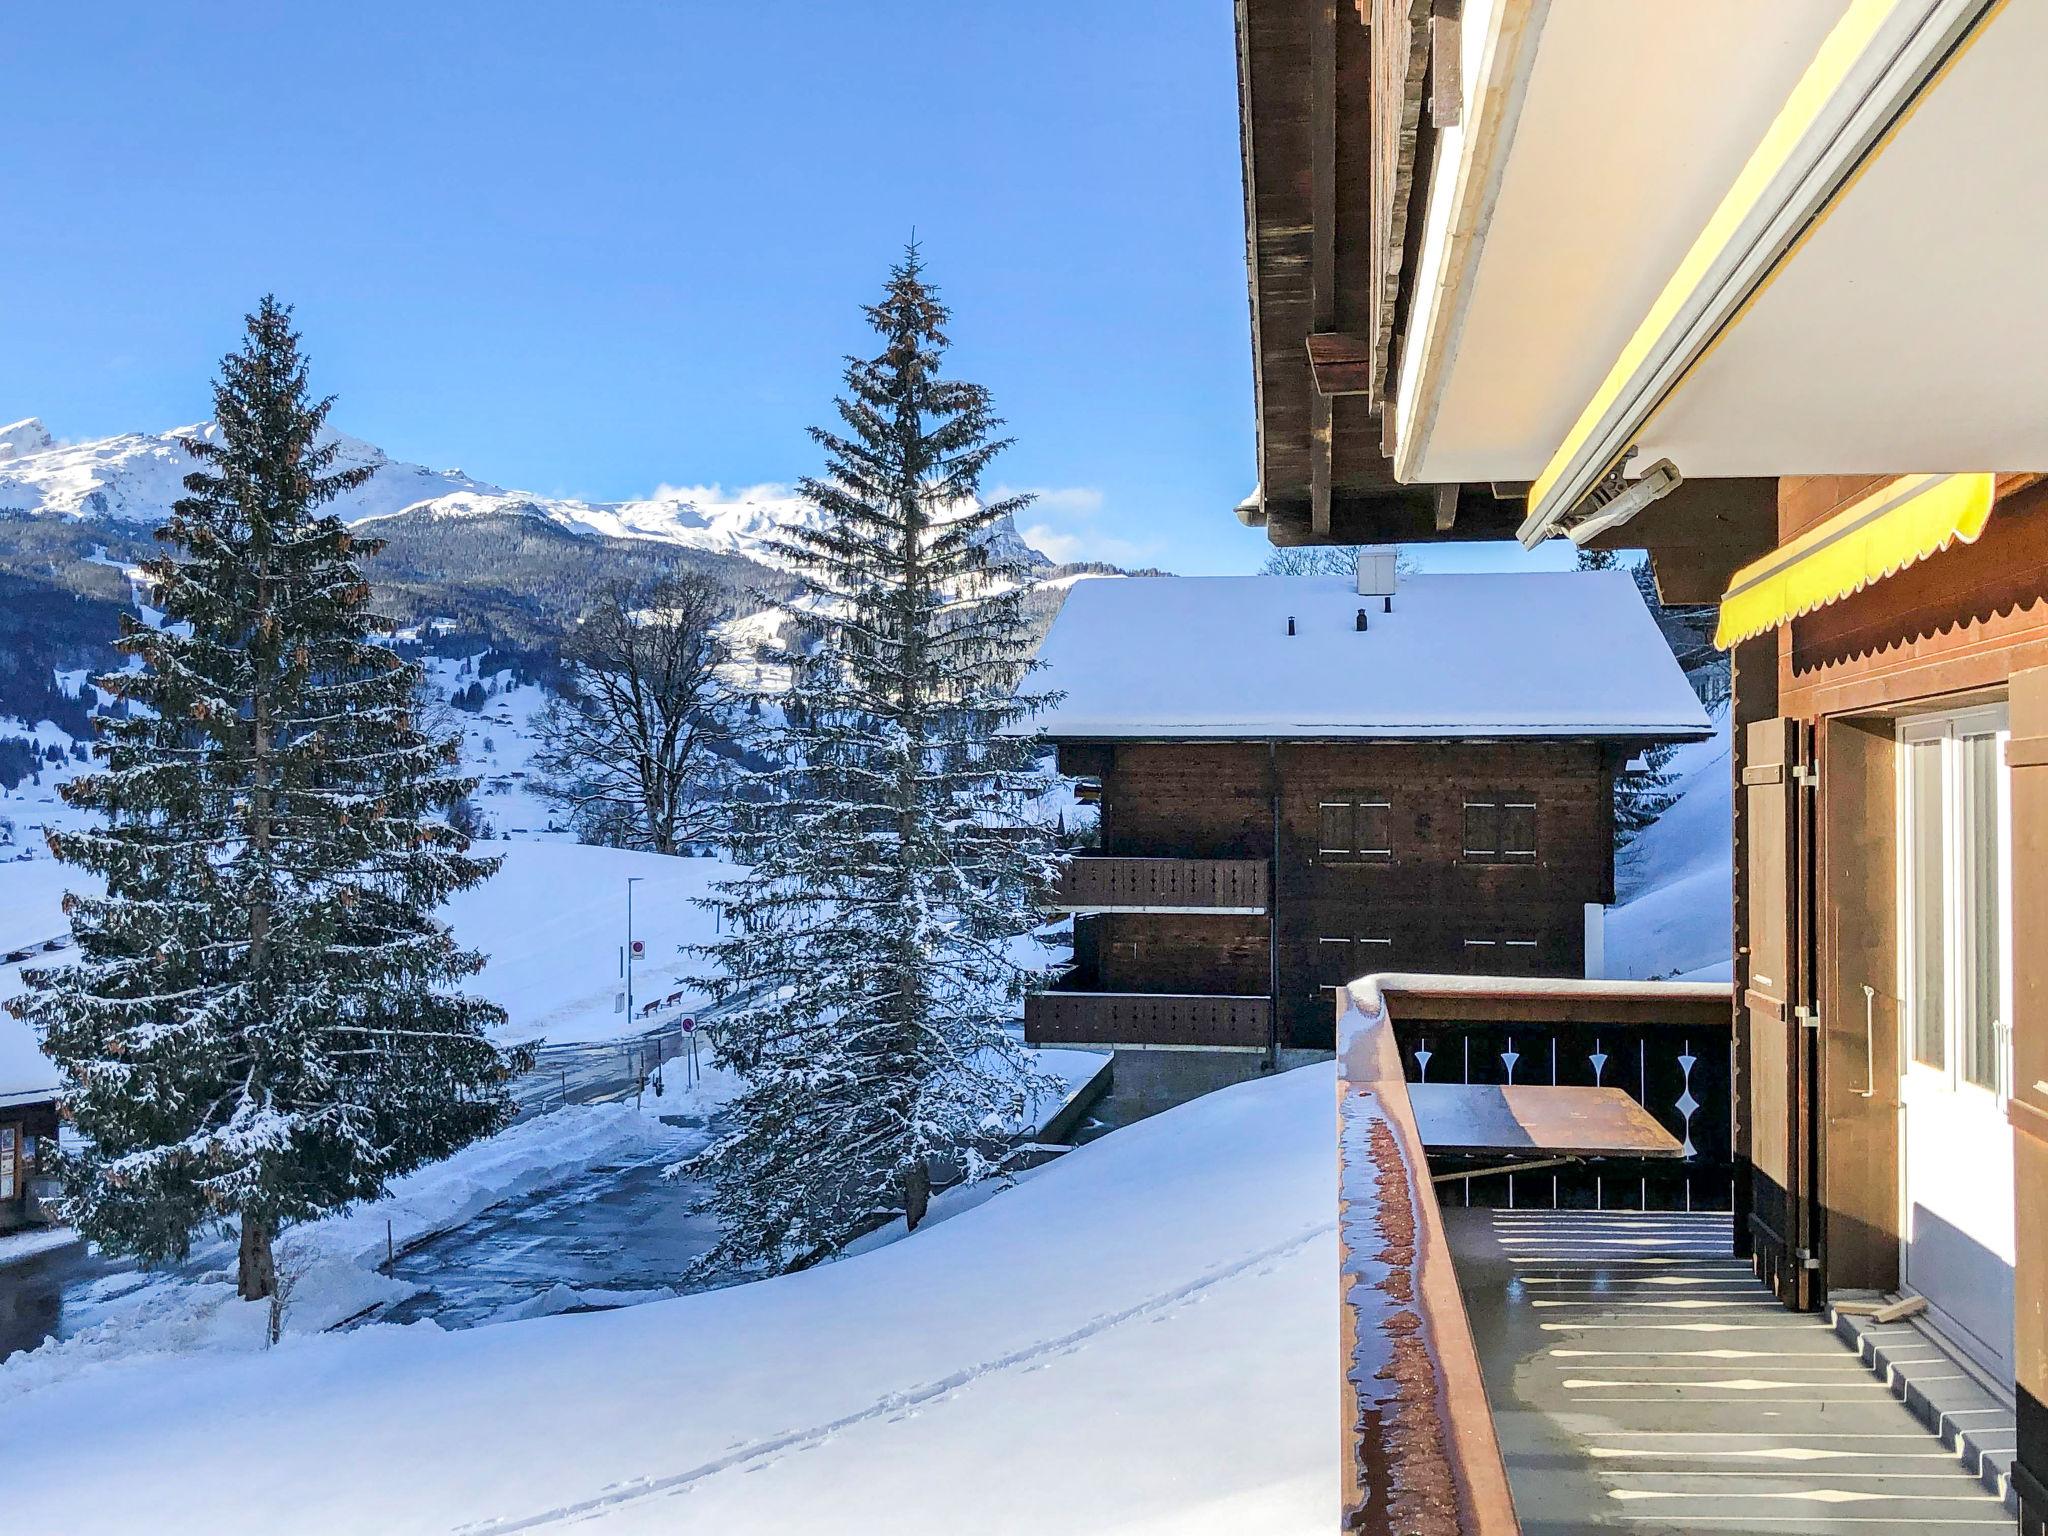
1642 1380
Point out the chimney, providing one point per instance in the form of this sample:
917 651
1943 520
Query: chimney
1361 626
1376 573
1290 623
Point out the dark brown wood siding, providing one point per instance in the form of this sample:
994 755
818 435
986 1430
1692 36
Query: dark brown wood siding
1968 624
1439 909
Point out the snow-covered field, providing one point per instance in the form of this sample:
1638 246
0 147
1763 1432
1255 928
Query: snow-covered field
1137 1338
552 920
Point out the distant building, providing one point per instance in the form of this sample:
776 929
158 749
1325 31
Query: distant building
1306 779
28 1125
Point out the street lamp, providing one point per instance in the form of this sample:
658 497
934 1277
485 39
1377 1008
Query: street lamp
631 947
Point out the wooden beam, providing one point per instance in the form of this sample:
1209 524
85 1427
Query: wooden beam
1446 508
1446 76
1400 47
1404 515
1322 148
1322 140
1321 450
1340 363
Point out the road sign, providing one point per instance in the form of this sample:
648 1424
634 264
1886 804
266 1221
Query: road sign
639 948
689 1023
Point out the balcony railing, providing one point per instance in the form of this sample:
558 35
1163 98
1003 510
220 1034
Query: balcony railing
1420 1451
1668 1045
1144 1018
1094 883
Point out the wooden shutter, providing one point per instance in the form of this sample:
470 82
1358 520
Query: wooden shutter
1333 828
1518 827
1333 961
1375 829
2028 1106
1482 829
1780 1045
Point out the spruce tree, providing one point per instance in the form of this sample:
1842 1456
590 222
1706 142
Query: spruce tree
889 853
260 1026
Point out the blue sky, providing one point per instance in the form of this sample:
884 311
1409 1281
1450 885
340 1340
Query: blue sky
593 249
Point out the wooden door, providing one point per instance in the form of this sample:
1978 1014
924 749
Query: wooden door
1778 1006
1857 830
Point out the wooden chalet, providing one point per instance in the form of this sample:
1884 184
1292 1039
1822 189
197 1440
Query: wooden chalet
1301 781
1756 288
28 1125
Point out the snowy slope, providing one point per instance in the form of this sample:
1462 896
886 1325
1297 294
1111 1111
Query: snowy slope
1135 1339
551 920
134 477
1676 881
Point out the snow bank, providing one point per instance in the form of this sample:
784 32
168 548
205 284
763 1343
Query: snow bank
1137 1339
331 1265
18 1247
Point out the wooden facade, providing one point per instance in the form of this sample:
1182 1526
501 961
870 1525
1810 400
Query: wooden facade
1456 857
1890 735
28 1143
1822 966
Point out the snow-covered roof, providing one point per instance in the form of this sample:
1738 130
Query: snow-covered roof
1565 653
27 1076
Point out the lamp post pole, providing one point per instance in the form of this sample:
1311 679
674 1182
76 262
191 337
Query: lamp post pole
631 881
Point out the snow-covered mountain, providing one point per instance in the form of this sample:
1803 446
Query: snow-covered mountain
133 478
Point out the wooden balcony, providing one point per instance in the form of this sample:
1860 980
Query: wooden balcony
1421 1451
1141 1018
1668 1045
1101 884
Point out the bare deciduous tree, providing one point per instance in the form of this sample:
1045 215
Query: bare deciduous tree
632 749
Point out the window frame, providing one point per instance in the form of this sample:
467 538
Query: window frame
1355 807
1501 802
1959 904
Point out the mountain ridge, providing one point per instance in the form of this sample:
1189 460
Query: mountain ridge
132 478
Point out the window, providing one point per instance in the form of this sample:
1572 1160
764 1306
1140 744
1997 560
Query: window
1361 827
1953 878
1500 828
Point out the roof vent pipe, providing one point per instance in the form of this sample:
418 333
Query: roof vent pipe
1290 623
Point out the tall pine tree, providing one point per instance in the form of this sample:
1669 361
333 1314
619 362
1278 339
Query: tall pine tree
260 1026
889 855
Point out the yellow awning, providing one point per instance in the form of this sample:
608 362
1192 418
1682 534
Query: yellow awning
1900 522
